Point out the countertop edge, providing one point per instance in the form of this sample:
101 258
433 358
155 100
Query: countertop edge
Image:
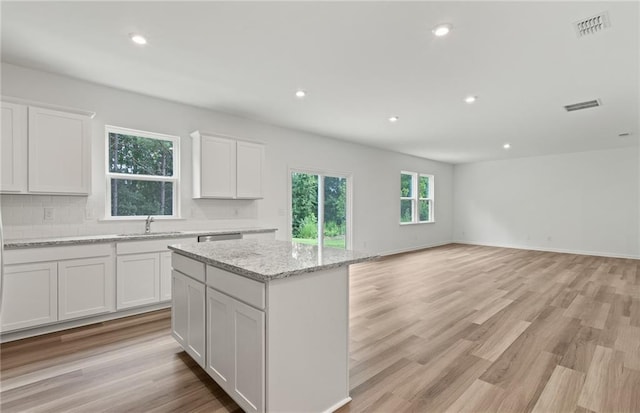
268 277
106 238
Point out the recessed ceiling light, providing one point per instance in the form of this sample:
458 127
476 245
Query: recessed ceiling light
470 99
394 119
300 93
506 145
441 30
138 39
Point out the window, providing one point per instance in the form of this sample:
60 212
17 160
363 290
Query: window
416 198
142 173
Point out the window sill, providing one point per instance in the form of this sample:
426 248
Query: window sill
417 223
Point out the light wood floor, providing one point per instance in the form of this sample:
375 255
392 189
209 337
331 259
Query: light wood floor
455 328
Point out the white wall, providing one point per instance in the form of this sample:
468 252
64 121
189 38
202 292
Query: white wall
375 172
582 202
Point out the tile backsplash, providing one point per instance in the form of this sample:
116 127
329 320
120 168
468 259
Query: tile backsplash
41 216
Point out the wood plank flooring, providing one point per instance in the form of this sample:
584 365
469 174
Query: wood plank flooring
450 329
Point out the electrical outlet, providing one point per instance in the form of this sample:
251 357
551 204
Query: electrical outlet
48 214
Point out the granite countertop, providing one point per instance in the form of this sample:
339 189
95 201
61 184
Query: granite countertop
96 239
266 260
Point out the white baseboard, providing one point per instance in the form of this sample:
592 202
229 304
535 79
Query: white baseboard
417 248
65 325
558 250
338 405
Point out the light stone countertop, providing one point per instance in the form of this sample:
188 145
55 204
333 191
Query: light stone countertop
97 239
266 260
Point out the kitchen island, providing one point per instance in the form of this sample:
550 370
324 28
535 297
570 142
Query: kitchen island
267 320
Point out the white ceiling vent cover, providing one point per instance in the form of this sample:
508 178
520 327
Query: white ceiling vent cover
583 105
593 24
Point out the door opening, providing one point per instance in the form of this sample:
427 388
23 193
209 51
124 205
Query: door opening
319 209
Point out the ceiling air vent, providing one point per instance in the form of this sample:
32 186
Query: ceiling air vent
583 105
592 25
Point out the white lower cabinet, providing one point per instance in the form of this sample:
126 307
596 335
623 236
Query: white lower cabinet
30 295
179 308
235 349
220 362
144 271
46 285
248 357
138 280
235 331
188 315
165 276
85 287
298 326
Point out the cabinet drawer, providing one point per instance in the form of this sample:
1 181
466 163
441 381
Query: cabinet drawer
237 286
154 245
40 254
188 266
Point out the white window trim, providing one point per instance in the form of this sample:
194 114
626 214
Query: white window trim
415 198
175 179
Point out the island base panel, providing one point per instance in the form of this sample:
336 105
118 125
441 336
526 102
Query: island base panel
308 342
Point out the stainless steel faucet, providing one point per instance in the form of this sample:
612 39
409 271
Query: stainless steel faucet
147 224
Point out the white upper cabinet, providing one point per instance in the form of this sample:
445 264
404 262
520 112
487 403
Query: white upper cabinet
214 167
250 159
44 150
59 152
13 148
226 168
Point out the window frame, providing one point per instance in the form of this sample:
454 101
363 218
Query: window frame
415 198
349 198
174 179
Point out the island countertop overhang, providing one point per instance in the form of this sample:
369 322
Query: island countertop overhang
266 260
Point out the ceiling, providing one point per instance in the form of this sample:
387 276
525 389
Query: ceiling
361 63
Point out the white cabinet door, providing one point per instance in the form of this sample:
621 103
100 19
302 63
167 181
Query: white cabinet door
250 160
138 280
188 315
85 287
13 148
220 338
248 356
59 152
165 276
217 167
179 308
236 349
30 295
196 319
